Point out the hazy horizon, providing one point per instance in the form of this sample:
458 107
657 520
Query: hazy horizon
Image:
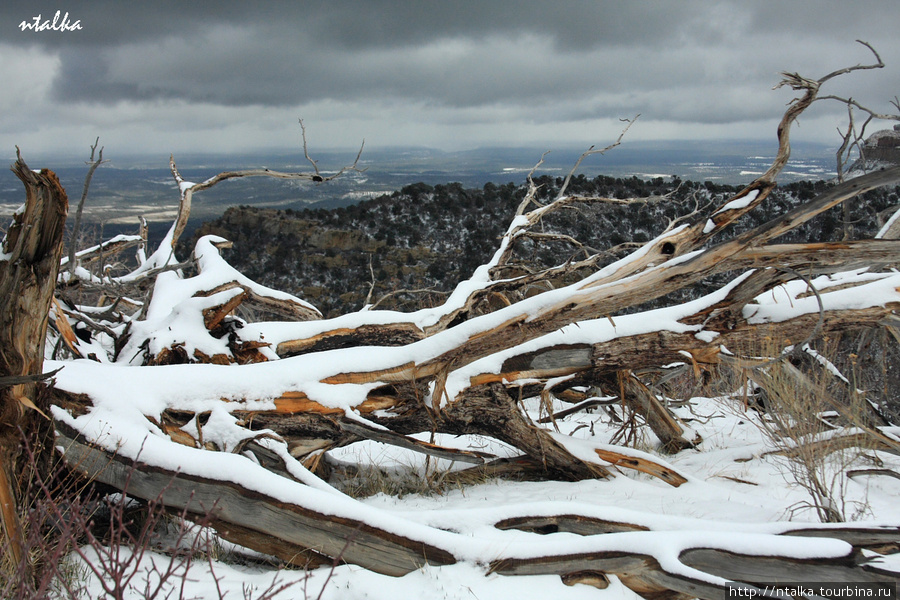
558 152
128 187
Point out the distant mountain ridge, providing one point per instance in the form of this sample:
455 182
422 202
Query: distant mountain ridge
127 187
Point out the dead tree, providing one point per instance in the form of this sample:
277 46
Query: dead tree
29 262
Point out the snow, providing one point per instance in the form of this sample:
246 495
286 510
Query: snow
175 314
123 397
278 332
887 226
706 336
783 303
121 238
742 515
214 268
586 451
736 204
708 510
593 331
346 582
704 511
739 203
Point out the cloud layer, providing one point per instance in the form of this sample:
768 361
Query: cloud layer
165 76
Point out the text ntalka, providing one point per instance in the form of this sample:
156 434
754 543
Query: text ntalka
56 24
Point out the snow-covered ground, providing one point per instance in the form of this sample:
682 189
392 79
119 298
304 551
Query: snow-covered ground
733 487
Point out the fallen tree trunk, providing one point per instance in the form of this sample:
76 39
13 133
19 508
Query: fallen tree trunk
400 401
298 532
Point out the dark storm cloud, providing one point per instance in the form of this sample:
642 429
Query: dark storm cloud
693 61
283 53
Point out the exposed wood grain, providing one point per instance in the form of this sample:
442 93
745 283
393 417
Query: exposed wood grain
298 534
578 524
389 334
31 252
213 316
412 396
298 402
660 420
859 537
286 529
769 569
644 465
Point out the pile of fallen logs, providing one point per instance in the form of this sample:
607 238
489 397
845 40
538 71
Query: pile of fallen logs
168 395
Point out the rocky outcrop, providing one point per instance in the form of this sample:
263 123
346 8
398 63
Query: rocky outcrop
880 149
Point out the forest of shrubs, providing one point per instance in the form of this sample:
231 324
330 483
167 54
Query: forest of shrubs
425 237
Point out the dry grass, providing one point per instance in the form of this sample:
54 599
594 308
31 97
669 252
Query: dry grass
814 417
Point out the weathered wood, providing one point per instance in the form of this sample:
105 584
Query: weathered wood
29 262
310 427
286 529
214 315
391 334
61 323
297 402
859 537
490 411
580 407
813 259
829 199
519 468
598 300
662 422
386 436
103 251
412 395
22 379
644 465
578 524
301 535
862 472
281 306
769 569
613 562
756 571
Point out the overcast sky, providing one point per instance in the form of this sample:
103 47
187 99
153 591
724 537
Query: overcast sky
161 77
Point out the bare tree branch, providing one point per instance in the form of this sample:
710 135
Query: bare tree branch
591 151
76 228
